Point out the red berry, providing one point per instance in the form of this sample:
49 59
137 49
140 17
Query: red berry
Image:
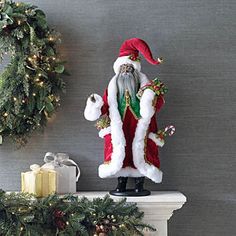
58 213
60 224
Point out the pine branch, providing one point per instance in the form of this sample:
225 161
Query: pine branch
30 85
23 214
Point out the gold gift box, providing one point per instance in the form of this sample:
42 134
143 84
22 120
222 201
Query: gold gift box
39 182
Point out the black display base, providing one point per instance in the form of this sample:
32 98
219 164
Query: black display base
130 193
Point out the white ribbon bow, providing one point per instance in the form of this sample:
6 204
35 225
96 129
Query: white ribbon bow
35 168
59 159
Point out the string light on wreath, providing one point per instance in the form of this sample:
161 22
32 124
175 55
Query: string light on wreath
35 66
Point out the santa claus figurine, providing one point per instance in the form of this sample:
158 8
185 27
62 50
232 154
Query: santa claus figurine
128 125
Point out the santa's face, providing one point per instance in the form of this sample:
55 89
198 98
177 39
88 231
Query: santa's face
127 80
126 68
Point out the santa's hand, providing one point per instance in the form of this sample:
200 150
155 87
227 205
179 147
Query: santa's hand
93 107
160 59
96 99
92 98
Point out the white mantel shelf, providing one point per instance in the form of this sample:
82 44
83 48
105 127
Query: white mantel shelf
157 208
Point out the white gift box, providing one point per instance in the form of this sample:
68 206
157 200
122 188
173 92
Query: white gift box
66 174
66 179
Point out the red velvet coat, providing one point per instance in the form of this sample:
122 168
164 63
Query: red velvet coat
130 121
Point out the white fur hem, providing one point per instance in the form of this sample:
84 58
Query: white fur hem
93 109
103 132
125 60
127 172
159 142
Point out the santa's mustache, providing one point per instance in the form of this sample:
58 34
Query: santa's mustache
127 81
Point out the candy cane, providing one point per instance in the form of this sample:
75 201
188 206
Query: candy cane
171 128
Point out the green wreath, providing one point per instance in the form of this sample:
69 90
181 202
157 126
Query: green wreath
31 82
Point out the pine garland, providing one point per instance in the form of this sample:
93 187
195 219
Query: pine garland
23 214
31 83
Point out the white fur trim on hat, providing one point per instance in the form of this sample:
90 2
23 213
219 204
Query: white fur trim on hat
125 60
93 109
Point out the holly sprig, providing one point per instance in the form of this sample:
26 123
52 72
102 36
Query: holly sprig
135 58
156 86
161 134
103 123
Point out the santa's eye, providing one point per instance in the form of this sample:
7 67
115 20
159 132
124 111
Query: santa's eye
131 69
127 68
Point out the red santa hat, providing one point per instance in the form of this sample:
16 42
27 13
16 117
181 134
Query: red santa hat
129 54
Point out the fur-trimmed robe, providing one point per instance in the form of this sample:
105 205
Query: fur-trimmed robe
131 146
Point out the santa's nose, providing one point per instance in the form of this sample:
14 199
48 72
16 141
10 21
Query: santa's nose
125 70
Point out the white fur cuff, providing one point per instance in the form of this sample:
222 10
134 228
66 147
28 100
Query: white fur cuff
103 132
93 109
159 142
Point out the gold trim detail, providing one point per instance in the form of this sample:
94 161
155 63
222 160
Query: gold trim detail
154 101
145 149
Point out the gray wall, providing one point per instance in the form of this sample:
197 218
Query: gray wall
197 38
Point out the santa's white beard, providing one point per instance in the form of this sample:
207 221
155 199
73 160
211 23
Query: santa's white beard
127 82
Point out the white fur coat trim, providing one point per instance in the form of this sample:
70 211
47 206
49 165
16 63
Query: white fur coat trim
117 135
114 167
147 111
159 142
125 60
93 109
128 172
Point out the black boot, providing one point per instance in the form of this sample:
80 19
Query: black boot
139 182
136 192
139 191
121 187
